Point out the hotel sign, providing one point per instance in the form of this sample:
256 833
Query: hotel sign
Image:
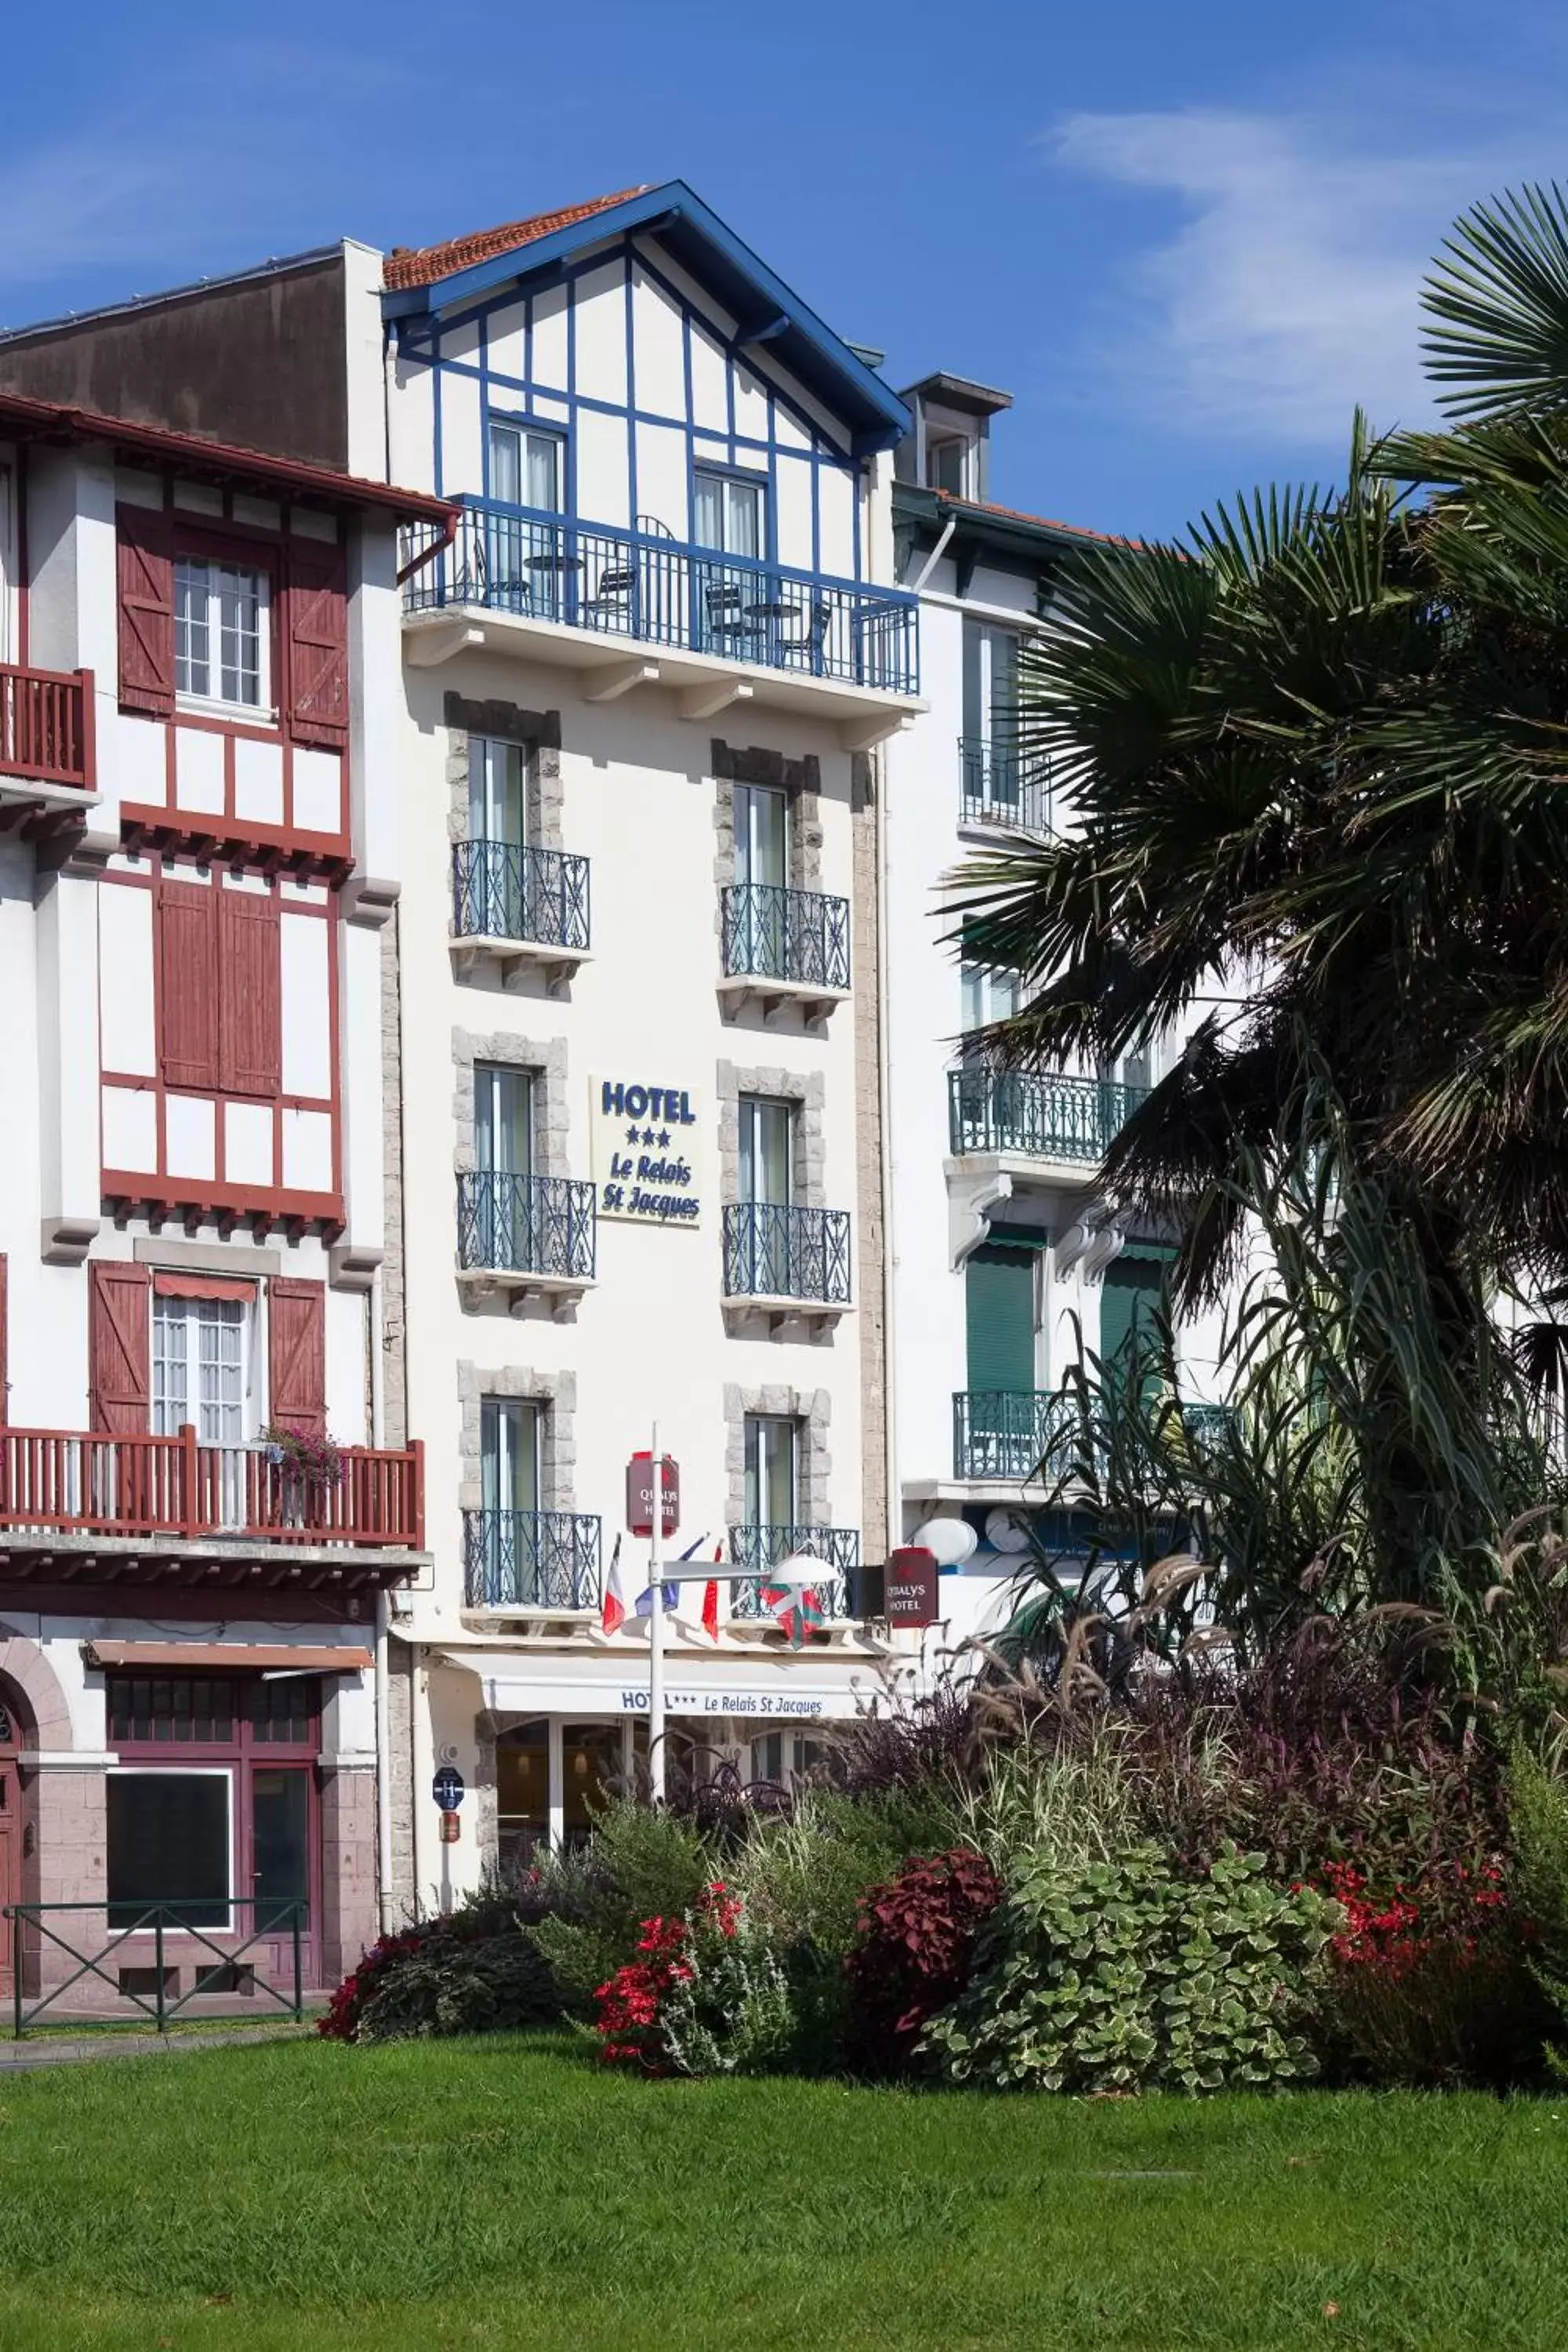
647 1146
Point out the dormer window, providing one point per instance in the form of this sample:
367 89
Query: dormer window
947 465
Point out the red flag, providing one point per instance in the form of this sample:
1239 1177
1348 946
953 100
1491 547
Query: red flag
711 1598
612 1612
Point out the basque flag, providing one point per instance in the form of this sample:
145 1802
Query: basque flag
797 1609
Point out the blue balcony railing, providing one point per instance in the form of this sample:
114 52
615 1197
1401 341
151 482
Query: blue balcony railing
530 1560
526 1225
1010 1434
504 892
1049 1117
785 1253
659 590
794 935
1000 786
756 1553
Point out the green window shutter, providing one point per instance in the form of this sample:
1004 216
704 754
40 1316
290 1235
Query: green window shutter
999 1299
1130 1292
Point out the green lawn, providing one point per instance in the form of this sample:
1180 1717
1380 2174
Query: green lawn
305 2198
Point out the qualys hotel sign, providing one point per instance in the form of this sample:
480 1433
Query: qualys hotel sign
646 1151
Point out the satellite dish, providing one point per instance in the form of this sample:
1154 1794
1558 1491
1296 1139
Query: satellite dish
950 1540
1005 1531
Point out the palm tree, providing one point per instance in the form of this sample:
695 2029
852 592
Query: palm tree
1316 757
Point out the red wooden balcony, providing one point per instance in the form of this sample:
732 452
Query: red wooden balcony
46 729
58 1484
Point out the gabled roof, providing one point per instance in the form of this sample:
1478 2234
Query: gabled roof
427 265
464 269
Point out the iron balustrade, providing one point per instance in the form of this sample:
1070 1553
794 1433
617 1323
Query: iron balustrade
530 1560
792 935
46 726
502 891
285 1920
1011 1434
660 590
1044 1118
92 1483
785 1253
1000 786
527 1225
757 1553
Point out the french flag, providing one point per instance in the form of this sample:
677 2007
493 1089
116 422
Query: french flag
613 1611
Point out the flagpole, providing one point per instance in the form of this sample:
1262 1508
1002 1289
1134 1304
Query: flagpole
656 1633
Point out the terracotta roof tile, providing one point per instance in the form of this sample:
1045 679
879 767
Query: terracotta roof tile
425 265
1016 514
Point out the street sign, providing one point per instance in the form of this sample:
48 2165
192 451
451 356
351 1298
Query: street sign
911 1591
449 1789
639 1495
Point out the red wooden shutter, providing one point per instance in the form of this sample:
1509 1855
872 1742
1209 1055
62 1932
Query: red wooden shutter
5 1382
250 1040
119 1348
298 1356
188 973
146 613
316 615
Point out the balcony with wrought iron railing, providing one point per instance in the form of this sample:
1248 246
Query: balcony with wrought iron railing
1050 1116
756 1554
513 905
46 736
1014 1436
1002 789
801 639
530 1560
148 1501
784 946
526 1234
787 1264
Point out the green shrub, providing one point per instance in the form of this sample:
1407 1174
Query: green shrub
727 2009
1538 1833
1119 1976
643 1862
446 1987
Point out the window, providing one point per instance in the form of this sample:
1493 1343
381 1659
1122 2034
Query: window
772 1443
497 791
990 684
727 513
761 836
215 1799
525 468
201 1349
509 1454
947 464
503 1120
220 633
767 1151
987 995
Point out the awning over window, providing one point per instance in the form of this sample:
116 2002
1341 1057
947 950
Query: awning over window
778 1690
213 1657
200 1286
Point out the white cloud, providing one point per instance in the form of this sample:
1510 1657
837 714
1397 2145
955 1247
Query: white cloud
1289 292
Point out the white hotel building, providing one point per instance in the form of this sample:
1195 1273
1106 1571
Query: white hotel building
635 688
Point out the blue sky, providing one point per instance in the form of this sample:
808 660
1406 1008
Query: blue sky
1186 238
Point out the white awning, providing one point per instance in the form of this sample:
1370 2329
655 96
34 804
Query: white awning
810 1690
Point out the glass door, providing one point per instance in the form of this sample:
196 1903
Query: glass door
509 1495
279 1845
526 561
761 943
770 1448
506 1204
767 1190
992 779
727 514
497 869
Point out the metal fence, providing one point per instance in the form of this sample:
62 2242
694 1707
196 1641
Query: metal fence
756 1553
1049 1117
1001 787
527 1225
504 892
530 1560
785 1253
794 935
1010 1435
273 1921
660 590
